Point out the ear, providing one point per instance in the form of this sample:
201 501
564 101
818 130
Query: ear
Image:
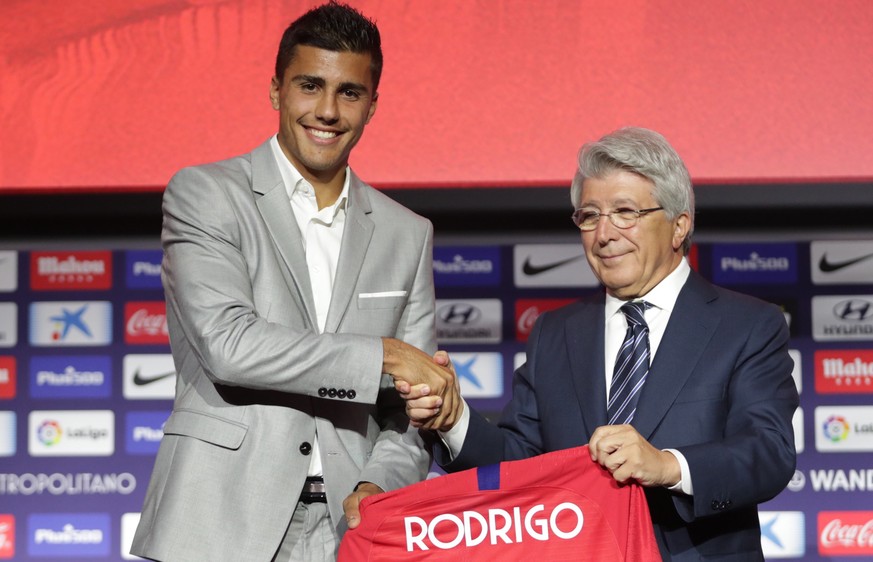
372 109
275 88
682 224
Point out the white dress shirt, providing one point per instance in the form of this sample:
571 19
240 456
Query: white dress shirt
662 298
322 234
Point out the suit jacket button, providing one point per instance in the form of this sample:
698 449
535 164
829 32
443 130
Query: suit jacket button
331 393
714 505
322 392
305 448
351 394
341 393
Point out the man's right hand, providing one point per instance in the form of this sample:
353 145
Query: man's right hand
429 410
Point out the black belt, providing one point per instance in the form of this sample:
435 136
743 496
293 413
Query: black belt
313 490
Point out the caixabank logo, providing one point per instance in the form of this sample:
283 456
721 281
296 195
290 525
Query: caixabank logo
80 536
480 374
71 433
844 371
65 271
845 533
8 324
783 534
844 428
842 317
72 323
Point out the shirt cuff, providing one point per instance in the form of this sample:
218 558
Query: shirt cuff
454 438
684 485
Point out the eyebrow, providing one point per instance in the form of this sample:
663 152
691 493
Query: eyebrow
613 204
319 81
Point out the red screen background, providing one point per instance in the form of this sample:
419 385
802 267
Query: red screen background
98 94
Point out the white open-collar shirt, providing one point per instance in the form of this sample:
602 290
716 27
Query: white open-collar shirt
322 234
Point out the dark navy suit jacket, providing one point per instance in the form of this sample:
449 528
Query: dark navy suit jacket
719 390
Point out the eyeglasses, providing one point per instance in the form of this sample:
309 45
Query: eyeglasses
622 218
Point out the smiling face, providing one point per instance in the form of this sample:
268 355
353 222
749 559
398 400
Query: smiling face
630 262
324 101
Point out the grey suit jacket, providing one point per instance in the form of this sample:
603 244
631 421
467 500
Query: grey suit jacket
256 382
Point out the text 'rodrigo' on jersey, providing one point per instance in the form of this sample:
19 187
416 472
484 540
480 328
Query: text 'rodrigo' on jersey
556 506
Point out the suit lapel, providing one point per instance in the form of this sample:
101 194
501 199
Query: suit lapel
690 329
356 239
279 217
584 336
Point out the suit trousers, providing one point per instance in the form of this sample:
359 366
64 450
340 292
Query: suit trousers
310 536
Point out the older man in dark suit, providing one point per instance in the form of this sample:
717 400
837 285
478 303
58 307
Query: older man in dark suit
674 383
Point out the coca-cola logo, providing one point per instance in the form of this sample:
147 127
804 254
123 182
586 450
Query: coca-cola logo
846 532
143 323
146 323
528 310
527 319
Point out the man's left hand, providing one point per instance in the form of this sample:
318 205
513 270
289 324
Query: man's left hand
627 456
351 505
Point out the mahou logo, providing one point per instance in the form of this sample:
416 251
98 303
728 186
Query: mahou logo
845 533
64 271
528 310
844 371
146 323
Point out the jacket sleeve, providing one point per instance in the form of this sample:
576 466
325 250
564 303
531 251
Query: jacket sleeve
756 457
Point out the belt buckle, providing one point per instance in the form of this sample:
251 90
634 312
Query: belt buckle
313 491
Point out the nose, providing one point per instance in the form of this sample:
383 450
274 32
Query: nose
327 109
605 230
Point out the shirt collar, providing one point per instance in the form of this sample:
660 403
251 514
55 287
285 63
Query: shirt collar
294 180
662 296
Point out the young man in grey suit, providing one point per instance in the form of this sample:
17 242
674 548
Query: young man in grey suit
698 407
291 287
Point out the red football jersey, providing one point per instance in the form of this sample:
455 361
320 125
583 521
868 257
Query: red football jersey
556 506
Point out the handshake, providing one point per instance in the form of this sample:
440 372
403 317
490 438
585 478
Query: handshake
429 385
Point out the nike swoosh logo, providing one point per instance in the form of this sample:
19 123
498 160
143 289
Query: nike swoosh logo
140 380
530 269
829 266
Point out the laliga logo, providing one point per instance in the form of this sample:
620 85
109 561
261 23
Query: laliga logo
836 428
49 432
500 524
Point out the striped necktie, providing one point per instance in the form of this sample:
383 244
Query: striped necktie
631 365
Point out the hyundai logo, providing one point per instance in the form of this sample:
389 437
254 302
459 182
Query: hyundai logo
854 309
459 313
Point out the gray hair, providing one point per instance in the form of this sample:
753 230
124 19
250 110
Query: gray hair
647 154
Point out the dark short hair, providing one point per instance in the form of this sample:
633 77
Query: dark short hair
333 27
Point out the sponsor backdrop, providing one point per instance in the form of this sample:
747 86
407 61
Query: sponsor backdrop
86 379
